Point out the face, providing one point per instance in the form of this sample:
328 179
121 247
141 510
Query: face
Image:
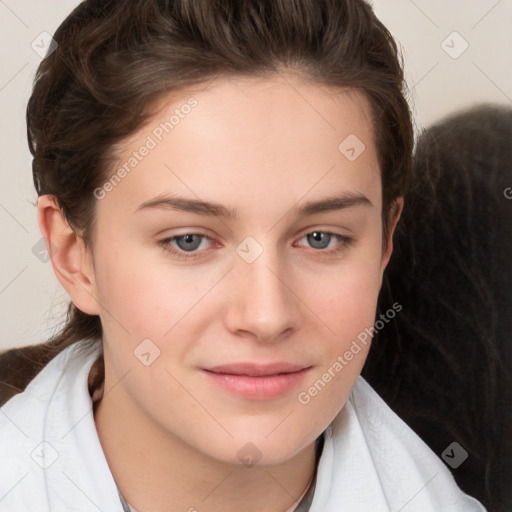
237 259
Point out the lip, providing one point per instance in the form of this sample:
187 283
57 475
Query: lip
257 382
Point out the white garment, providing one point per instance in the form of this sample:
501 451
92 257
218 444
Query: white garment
51 458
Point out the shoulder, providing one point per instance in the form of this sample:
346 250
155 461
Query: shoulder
18 366
32 421
23 415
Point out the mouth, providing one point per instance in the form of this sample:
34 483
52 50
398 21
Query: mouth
257 382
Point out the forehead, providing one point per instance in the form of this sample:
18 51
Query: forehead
242 140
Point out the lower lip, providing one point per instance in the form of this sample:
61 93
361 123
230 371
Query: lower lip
258 388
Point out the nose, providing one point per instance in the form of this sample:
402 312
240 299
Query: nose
263 303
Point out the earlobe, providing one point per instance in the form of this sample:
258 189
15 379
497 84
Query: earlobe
71 261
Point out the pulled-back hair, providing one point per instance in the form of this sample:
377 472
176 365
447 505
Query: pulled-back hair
117 58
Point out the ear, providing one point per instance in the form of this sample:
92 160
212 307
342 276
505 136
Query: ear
386 255
72 262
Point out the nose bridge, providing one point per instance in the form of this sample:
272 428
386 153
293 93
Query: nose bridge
265 304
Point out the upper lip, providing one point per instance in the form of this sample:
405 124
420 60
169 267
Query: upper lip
256 370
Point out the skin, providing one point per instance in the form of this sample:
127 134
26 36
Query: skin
262 146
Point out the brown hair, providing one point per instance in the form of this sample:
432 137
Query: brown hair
116 58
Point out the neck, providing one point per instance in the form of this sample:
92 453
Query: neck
156 471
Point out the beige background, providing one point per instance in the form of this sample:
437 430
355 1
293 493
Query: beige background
31 299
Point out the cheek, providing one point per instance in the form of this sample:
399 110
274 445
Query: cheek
348 310
345 302
136 290
145 297
346 298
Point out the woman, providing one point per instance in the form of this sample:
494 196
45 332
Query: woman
274 138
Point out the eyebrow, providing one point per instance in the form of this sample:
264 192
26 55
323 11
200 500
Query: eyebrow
212 209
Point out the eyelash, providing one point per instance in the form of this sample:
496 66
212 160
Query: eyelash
345 242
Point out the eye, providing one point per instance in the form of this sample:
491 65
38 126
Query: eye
186 246
321 239
187 243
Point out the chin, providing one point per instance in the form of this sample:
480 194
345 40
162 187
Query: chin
252 448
